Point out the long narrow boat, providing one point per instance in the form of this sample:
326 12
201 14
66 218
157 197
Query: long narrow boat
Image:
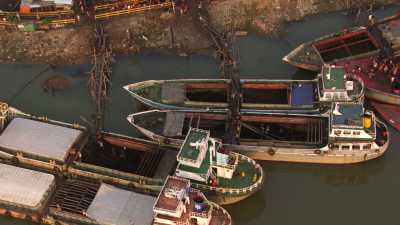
52 198
118 159
295 96
346 134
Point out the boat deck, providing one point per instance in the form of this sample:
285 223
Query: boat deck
361 68
114 205
245 175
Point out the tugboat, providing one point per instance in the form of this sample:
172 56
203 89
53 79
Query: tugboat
178 203
347 133
51 198
294 96
225 177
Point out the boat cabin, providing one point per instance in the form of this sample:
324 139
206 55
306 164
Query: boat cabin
352 127
213 164
333 84
177 204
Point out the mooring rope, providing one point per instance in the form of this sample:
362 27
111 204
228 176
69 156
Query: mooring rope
11 100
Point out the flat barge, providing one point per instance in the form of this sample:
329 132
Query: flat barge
346 134
54 199
262 96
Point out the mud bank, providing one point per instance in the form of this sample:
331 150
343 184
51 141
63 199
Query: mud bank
155 30
270 16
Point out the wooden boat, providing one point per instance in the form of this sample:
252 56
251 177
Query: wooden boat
378 38
115 158
357 50
346 134
52 198
295 96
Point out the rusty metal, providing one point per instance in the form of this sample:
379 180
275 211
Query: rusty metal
74 196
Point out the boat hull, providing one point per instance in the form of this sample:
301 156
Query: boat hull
382 96
390 113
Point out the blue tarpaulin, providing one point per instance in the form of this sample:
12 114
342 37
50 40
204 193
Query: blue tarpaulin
302 94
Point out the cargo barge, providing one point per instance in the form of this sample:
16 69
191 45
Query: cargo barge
294 96
50 198
348 133
68 149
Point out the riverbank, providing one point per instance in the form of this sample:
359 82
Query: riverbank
165 30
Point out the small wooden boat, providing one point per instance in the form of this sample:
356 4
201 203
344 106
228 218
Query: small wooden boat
379 38
118 159
346 134
294 96
52 198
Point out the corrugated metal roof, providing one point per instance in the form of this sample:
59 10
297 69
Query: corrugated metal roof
23 186
116 206
39 3
38 138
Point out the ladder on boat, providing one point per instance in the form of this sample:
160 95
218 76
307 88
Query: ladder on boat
314 131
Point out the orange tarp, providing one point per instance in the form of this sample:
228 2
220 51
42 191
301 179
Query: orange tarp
24 9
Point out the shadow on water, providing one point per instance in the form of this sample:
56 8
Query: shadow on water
364 194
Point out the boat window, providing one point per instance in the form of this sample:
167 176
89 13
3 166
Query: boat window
347 132
328 95
337 132
335 146
345 147
356 132
356 147
366 147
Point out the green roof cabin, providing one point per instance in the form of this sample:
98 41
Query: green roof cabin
200 157
333 84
